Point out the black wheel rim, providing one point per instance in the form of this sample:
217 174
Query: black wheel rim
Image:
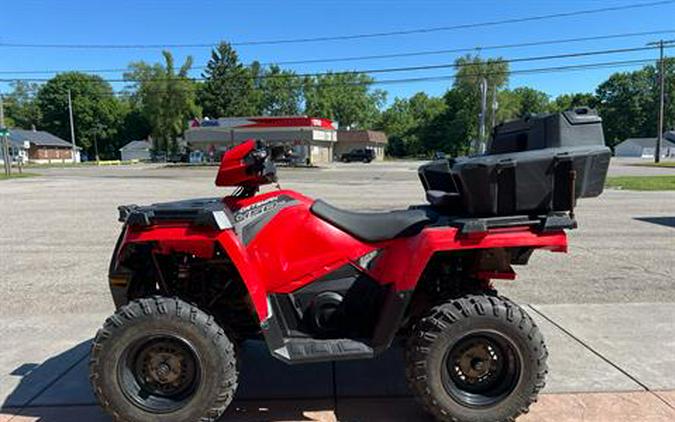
159 374
481 369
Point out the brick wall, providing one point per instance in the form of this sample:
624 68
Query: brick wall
49 153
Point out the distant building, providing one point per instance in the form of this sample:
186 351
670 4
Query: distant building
302 139
136 150
348 140
38 146
645 147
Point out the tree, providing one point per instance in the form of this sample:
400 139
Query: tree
509 106
569 101
166 98
459 126
530 101
280 92
135 124
96 111
344 97
406 123
21 106
521 102
628 103
229 89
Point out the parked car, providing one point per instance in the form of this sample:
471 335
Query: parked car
363 155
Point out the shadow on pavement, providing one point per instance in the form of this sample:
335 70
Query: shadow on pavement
58 389
37 378
663 221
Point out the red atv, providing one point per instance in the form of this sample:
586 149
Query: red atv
192 279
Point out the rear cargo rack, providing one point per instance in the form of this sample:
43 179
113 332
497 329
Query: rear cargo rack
543 223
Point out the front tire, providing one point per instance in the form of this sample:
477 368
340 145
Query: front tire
162 358
477 358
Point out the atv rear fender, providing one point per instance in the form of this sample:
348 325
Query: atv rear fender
402 262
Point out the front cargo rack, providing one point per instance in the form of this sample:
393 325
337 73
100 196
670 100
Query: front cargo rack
210 212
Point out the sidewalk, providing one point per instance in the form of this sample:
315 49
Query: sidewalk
610 362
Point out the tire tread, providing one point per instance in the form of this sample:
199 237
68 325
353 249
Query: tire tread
165 306
427 329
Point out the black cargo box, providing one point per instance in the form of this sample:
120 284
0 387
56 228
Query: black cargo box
557 159
579 127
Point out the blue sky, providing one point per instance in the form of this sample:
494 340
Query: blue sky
183 21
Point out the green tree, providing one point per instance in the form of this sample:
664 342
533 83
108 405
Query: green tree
508 106
280 92
521 102
166 97
406 123
344 97
96 111
135 124
569 101
459 126
229 89
21 105
531 101
628 103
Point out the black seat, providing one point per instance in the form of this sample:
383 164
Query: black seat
373 227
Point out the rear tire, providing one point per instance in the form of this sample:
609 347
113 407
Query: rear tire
478 358
162 358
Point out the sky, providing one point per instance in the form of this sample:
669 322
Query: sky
209 21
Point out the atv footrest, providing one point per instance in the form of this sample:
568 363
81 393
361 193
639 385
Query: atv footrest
302 350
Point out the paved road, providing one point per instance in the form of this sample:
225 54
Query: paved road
624 166
58 231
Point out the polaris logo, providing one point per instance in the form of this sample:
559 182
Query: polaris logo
260 208
254 210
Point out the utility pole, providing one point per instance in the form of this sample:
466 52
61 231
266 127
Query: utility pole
98 130
6 159
96 146
483 111
495 106
662 97
72 125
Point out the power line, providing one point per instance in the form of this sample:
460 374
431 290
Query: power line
540 70
352 36
470 49
383 70
381 56
552 69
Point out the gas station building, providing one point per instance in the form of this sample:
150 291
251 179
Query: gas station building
303 139
293 139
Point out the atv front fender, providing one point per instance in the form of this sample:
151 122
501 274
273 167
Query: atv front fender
201 243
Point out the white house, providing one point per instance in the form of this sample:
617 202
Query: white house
644 147
136 150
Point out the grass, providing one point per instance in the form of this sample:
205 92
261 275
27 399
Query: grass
16 175
644 183
666 164
70 164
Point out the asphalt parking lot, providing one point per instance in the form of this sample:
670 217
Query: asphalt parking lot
59 229
616 285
